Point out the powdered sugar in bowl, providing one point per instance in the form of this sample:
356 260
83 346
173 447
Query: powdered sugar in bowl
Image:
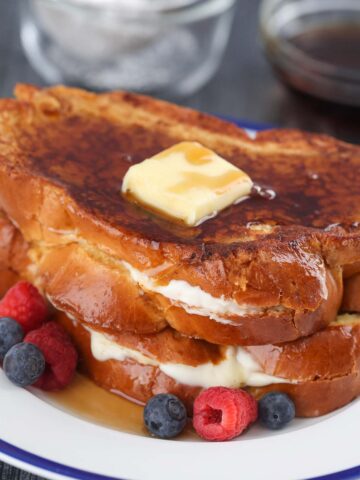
157 46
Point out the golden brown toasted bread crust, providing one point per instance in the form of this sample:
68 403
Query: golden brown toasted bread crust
351 299
13 254
99 294
263 328
102 294
130 378
64 152
325 365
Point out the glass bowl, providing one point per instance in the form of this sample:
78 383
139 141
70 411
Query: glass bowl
109 44
314 45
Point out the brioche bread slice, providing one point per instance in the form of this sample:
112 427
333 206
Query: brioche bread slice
326 366
101 293
321 372
14 260
63 155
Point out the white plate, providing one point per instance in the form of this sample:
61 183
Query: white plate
40 438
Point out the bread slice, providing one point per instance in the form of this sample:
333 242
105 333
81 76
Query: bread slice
326 366
14 260
63 155
102 294
321 373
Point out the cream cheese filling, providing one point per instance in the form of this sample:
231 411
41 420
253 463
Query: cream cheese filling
237 369
193 299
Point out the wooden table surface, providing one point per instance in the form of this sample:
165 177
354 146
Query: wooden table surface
244 87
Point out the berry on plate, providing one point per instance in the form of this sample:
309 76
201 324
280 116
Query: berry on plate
11 333
223 413
23 303
276 409
165 415
60 355
24 364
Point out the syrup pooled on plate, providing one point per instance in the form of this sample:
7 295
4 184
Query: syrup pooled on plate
84 399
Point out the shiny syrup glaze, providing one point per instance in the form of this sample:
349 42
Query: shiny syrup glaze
195 153
89 158
84 399
194 180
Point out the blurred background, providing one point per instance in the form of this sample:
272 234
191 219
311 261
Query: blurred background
206 54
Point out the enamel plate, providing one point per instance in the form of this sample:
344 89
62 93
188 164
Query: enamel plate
48 441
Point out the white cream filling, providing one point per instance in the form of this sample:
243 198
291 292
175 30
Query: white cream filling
237 369
193 299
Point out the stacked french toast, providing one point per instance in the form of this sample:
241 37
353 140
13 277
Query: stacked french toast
263 296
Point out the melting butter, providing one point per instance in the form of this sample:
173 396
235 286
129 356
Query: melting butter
187 182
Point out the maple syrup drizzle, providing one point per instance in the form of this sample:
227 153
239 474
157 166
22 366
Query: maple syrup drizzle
194 153
84 399
218 183
263 191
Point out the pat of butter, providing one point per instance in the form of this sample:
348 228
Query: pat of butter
186 182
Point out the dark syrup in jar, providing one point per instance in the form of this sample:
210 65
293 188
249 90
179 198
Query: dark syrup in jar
336 44
313 103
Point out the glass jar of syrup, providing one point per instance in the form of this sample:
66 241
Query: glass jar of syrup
314 46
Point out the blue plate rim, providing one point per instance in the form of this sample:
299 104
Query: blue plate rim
47 465
246 124
50 466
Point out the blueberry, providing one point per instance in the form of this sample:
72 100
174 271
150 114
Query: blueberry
276 410
165 416
11 333
24 363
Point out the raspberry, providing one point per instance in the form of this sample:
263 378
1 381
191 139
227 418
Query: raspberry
24 304
223 413
60 355
252 405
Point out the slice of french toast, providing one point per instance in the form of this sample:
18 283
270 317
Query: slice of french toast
264 271
320 372
102 293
